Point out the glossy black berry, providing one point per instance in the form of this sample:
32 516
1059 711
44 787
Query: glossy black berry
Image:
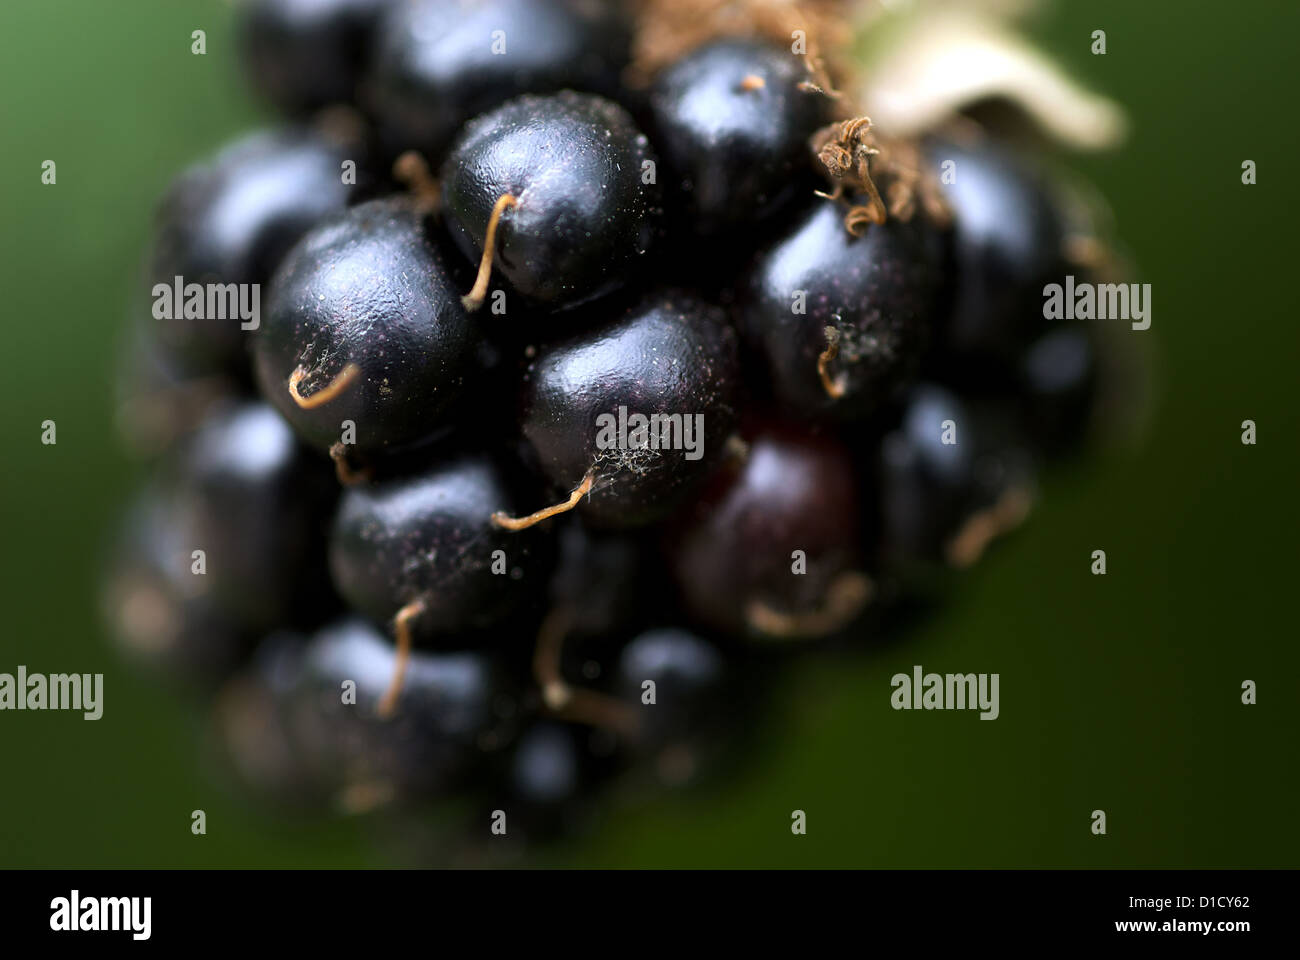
230 221
568 177
952 478
732 122
365 326
674 681
550 774
438 63
305 54
842 321
257 504
429 540
1058 381
772 547
451 708
1007 241
589 400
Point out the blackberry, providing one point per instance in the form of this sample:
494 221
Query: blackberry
439 63
671 357
305 54
552 192
952 478
365 328
773 547
733 119
784 372
1008 242
548 777
451 707
688 675
230 221
1059 381
424 554
256 503
842 321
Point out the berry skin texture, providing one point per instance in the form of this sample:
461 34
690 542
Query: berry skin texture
1007 244
231 220
305 54
733 126
256 503
732 551
583 214
688 675
1059 379
877 292
670 354
451 705
367 288
429 539
439 63
942 504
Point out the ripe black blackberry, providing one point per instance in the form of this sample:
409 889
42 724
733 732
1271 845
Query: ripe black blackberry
231 220
733 119
842 321
953 477
424 554
437 64
1009 241
365 342
450 710
779 370
671 357
305 54
773 547
256 502
556 194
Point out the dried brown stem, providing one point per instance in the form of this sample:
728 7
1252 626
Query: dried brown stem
478 293
326 393
834 386
412 170
402 635
523 523
846 597
985 526
574 704
347 476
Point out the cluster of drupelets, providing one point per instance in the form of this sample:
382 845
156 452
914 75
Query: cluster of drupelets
486 233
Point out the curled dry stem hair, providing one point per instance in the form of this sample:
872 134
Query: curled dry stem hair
854 157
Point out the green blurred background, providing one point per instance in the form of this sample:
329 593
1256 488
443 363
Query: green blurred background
1119 692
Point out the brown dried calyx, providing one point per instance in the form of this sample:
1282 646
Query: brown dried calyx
666 30
890 174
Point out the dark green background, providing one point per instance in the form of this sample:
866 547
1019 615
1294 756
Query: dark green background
1119 692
